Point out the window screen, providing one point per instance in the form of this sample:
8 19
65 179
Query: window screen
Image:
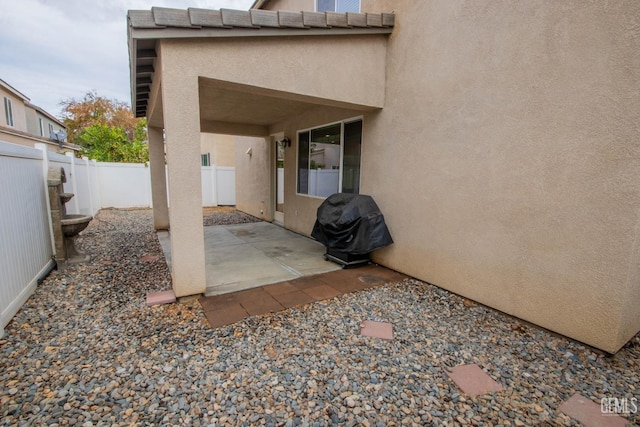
347 6
341 6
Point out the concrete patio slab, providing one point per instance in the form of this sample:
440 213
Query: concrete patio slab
245 256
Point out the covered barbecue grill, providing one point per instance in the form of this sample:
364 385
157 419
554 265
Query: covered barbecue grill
351 226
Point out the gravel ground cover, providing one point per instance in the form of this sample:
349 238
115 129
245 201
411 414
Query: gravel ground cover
86 350
225 215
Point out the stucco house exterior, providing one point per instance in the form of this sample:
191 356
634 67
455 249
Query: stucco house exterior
501 143
24 123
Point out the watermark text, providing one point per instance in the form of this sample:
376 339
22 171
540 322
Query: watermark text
618 405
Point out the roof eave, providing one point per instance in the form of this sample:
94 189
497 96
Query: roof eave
146 27
183 33
13 90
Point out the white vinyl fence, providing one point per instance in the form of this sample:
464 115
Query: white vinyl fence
127 185
26 247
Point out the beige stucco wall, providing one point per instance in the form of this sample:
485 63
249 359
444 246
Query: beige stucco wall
505 159
182 135
253 176
18 109
33 117
23 138
245 60
511 131
300 210
220 147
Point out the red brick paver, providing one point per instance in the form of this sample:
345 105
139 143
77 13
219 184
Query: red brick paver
472 380
382 330
591 413
230 308
162 297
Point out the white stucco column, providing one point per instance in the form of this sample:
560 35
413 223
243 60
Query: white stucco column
158 179
182 130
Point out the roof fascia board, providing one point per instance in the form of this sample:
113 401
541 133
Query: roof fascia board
178 33
14 91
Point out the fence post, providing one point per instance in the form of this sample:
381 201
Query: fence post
214 184
74 186
96 187
91 208
149 196
45 177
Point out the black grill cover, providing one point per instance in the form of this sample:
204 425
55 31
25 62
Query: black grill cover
351 223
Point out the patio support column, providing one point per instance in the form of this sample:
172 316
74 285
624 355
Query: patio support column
182 131
158 179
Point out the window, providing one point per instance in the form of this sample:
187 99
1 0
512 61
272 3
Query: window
8 112
41 123
50 130
338 6
329 159
205 159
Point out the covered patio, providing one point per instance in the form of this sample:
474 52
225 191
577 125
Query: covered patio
242 73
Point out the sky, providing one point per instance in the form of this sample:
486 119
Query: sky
55 50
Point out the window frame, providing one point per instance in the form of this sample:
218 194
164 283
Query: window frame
341 169
8 112
41 125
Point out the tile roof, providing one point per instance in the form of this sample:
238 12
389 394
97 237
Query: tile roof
162 17
147 26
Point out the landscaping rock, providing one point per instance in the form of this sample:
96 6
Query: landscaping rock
85 349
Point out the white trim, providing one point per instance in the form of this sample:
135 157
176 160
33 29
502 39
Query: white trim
278 217
45 179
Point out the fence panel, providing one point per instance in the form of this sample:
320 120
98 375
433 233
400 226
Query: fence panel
82 189
124 185
226 185
25 237
209 187
25 232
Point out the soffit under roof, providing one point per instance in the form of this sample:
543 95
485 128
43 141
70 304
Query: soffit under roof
233 106
148 26
226 107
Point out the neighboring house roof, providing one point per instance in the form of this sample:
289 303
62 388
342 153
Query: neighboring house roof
27 102
13 90
147 26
